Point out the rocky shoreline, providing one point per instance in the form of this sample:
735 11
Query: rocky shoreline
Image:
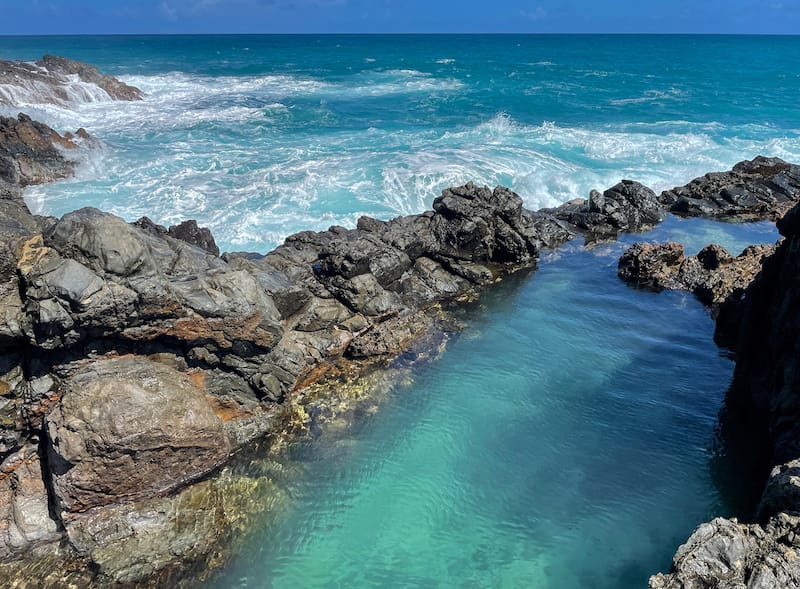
136 363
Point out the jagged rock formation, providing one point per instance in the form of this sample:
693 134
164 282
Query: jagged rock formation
626 207
135 363
30 153
764 188
52 80
713 275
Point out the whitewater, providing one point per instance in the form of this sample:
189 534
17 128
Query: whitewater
260 137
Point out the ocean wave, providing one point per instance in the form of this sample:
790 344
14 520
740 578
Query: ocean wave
33 92
254 183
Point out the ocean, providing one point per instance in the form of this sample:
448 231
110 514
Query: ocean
568 437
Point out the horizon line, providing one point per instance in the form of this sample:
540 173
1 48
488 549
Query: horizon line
397 33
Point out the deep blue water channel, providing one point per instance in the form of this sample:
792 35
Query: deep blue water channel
564 440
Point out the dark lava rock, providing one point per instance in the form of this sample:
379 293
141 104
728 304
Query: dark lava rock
31 153
627 207
762 188
189 232
765 389
767 376
146 360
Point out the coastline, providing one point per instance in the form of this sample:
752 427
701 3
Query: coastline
340 295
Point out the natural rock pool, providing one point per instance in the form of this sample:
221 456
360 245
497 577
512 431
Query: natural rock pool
567 438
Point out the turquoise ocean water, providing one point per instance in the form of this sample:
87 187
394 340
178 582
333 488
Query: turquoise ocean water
567 438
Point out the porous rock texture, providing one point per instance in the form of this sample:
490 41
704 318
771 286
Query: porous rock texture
757 189
713 275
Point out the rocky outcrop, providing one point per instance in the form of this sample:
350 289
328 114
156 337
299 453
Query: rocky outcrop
766 392
763 188
139 361
59 80
30 153
626 207
725 553
713 275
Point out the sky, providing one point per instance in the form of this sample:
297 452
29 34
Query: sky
48 17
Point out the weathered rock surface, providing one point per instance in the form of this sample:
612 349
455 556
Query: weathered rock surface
30 153
627 207
52 80
713 275
25 522
129 429
724 554
763 188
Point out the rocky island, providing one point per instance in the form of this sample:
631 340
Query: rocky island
136 363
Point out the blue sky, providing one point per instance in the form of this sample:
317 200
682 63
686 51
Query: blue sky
29 17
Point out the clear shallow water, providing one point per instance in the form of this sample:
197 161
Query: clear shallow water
565 440
262 136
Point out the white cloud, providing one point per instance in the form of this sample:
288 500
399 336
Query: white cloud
536 13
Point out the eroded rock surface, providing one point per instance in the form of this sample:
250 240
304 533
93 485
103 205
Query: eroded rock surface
128 429
713 275
136 361
627 207
724 554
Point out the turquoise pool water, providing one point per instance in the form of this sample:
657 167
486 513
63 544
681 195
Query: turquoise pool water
565 440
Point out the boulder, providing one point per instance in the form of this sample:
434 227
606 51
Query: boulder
128 429
627 207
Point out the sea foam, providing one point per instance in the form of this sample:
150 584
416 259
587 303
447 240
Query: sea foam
257 158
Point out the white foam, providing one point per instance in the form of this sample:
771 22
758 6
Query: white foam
33 92
228 152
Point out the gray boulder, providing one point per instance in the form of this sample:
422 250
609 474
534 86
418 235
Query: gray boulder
128 429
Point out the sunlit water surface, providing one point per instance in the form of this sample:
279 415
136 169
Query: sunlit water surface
565 440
